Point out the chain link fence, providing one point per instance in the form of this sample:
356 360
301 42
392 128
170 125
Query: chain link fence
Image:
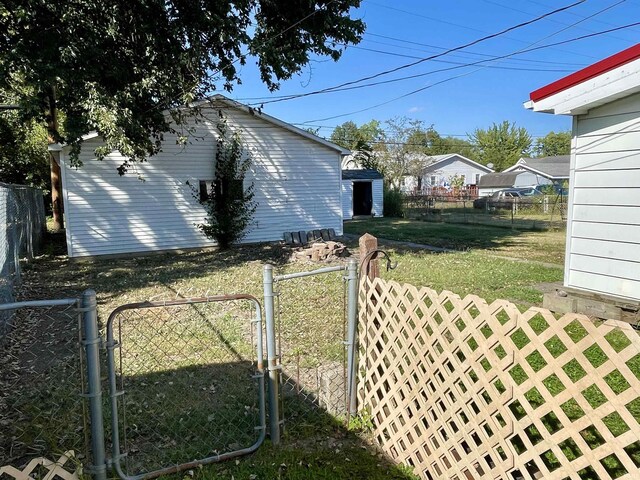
22 226
186 382
311 332
527 213
42 411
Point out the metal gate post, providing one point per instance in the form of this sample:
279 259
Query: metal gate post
352 329
92 352
272 358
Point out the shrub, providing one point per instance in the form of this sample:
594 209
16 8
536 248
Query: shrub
229 205
393 202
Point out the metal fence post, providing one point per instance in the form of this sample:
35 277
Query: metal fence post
272 358
94 394
352 326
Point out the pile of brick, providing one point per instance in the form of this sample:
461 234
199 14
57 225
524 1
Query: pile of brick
322 252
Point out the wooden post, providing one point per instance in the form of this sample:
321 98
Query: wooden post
369 262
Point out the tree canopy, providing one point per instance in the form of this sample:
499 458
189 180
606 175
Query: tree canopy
553 144
115 66
501 144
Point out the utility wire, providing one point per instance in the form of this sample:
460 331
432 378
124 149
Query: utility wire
438 47
473 71
438 55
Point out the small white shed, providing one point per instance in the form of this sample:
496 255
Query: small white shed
296 176
362 193
603 227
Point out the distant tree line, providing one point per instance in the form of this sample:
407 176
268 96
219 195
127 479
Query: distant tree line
401 146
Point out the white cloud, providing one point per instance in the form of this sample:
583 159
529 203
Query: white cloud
415 109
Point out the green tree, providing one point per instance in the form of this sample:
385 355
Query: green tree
124 68
349 135
501 145
401 156
229 205
553 144
24 158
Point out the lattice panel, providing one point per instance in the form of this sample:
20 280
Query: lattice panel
461 389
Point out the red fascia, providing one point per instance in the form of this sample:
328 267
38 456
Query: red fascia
586 73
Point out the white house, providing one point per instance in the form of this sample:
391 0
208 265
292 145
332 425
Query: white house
544 170
440 169
362 193
603 228
296 176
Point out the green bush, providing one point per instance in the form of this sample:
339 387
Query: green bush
393 202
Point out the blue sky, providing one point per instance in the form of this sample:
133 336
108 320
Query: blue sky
406 30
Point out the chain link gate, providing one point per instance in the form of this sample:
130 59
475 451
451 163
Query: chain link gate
310 376
44 389
186 384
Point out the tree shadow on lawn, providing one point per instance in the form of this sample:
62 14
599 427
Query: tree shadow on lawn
182 414
55 275
451 236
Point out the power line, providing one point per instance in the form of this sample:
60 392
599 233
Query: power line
414 14
400 55
438 55
468 73
438 47
419 75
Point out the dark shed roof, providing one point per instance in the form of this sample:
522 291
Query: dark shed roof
369 174
554 167
498 180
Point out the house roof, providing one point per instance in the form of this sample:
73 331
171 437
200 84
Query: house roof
434 160
553 167
502 180
614 77
361 174
221 99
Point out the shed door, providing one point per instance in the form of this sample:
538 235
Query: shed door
362 198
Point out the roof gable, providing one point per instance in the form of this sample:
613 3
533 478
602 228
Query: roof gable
553 167
615 77
434 160
221 99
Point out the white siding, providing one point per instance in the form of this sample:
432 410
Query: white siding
297 187
377 209
347 199
443 171
604 229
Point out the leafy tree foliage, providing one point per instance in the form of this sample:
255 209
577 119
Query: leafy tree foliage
24 158
501 145
363 141
401 157
230 206
430 142
553 144
115 66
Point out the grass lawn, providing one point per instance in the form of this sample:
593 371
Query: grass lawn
318 447
314 446
545 246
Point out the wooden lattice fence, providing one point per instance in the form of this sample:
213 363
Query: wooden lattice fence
461 389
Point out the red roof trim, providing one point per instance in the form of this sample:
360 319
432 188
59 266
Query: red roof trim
586 73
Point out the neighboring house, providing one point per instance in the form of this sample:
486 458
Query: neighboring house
440 169
603 227
544 170
297 179
361 193
493 182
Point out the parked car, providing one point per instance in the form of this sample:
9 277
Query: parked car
529 191
499 199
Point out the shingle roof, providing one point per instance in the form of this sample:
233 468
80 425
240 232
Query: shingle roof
498 180
556 166
361 175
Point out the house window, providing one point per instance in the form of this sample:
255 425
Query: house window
463 179
433 181
204 189
477 178
233 189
